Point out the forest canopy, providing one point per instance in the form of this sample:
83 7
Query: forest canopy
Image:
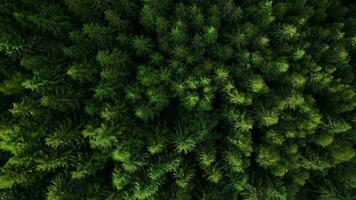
177 99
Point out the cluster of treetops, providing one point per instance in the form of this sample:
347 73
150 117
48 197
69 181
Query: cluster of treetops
177 99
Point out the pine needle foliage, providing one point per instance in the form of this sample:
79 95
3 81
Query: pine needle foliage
177 99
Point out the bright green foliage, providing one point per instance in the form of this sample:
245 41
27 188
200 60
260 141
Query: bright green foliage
177 99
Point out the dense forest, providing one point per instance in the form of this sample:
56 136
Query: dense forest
177 99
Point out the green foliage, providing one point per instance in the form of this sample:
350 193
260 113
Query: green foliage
177 99
142 45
